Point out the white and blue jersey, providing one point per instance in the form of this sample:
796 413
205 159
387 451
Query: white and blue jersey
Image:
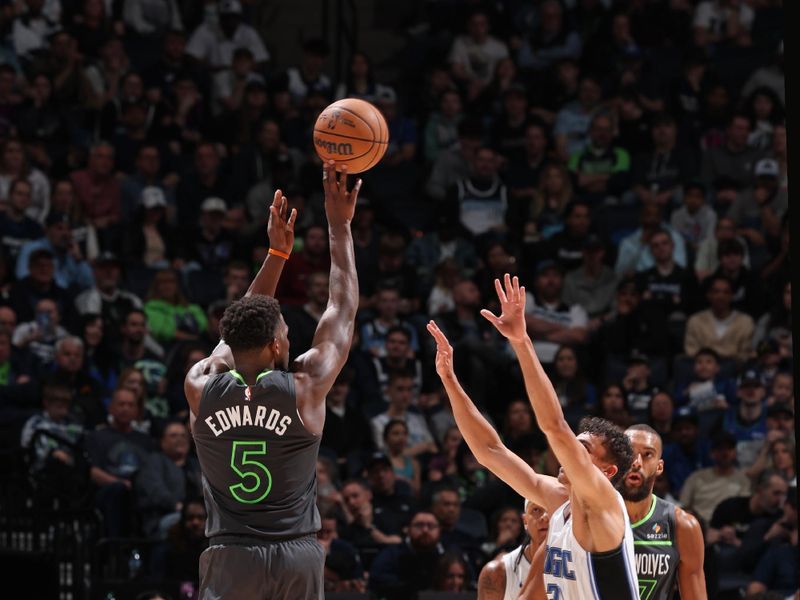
572 573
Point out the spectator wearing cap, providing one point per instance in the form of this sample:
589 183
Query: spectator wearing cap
600 168
213 43
106 298
16 227
694 220
209 246
748 295
552 39
707 259
657 174
551 323
776 569
593 284
706 488
475 54
747 418
146 175
686 453
150 241
308 76
741 526
400 391
402 146
98 188
634 250
39 284
720 327
759 210
441 130
72 272
733 159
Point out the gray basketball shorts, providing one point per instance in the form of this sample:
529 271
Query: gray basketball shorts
285 570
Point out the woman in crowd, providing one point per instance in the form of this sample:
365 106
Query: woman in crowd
612 406
395 436
576 394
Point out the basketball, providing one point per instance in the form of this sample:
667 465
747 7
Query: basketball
351 132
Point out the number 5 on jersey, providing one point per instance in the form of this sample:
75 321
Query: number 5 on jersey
256 478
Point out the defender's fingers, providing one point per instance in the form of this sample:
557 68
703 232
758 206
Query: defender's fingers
276 199
490 316
500 292
292 218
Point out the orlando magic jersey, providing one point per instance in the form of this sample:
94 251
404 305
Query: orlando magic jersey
517 567
257 457
572 573
657 557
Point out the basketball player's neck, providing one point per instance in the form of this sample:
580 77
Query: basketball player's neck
251 365
638 509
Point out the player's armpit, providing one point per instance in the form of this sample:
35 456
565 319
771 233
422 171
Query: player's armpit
689 538
533 589
492 581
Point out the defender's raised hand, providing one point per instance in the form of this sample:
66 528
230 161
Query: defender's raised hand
340 205
444 351
511 322
280 229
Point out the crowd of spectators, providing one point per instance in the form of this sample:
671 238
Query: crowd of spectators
627 159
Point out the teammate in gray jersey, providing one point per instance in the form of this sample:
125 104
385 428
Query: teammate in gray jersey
257 427
667 541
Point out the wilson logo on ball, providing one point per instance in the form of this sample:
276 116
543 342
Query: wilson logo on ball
341 148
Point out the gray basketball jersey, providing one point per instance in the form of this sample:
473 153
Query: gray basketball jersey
258 459
655 546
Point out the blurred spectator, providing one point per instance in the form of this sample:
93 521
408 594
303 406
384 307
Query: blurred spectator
660 413
210 247
149 241
98 188
399 357
170 316
40 335
747 294
402 146
395 440
694 220
84 233
634 250
600 168
314 257
146 176
573 120
552 198
367 529
69 369
758 210
308 76
551 41
391 271
707 260
360 80
722 21
613 406
524 170
25 294
16 366
453 165
303 320
720 327
566 246
400 392
116 453
686 453
775 570
213 44
343 569
441 130
165 480
508 128
16 227
706 390
346 431
746 418
452 574
107 298
518 421
375 332
71 269
576 395
592 284
706 488
474 55
185 543
782 389
402 570
204 180
733 160
136 345
550 322
391 497
440 298
777 453
638 386
766 111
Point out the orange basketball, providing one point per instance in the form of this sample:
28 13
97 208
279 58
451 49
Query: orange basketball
351 132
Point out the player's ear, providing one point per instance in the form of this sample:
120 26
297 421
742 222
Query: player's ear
660 467
610 471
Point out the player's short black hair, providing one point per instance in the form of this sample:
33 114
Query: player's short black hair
250 322
616 443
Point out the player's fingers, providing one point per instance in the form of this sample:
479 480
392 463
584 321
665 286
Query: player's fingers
327 177
276 199
490 316
354 193
508 287
500 293
515 285
522 298
292 218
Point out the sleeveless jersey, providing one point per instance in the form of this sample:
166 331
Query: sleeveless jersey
257 458
656 550
517 567
572 573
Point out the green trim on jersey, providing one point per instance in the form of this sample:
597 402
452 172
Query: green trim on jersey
656 543
649 514
238 376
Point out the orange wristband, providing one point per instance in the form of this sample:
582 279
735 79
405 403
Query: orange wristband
279 254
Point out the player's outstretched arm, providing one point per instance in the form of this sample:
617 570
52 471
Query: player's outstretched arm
317 369
592 488
691 547
483 440
280 230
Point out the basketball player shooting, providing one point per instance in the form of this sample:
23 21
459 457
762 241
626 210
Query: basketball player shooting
257 428
589 552
668 541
